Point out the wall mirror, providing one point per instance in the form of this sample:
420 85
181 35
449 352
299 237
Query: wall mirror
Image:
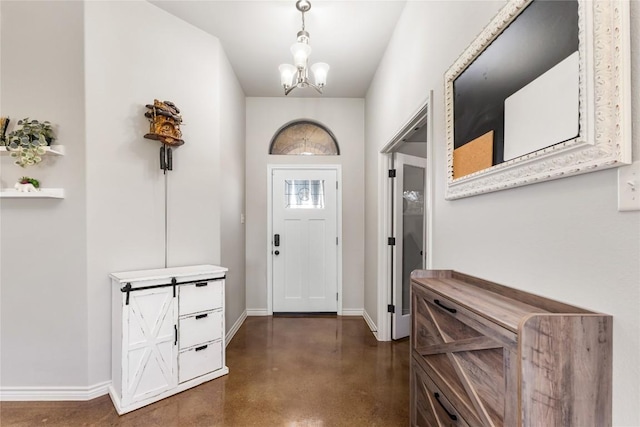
542 93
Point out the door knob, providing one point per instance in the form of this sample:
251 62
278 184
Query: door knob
277 252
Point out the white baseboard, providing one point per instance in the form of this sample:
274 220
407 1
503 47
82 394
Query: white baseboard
371 323
15 394
345 312
229 336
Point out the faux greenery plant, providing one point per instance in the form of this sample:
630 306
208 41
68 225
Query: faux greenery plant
28 180
27 144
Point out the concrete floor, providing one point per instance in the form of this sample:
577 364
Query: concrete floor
284 371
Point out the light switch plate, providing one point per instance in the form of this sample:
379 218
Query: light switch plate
629 187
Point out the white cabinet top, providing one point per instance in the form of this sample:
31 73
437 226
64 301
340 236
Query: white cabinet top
182 274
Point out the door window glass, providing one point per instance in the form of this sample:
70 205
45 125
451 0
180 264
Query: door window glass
413 228
304 194
304 138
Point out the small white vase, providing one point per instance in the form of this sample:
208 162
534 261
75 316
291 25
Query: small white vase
25 188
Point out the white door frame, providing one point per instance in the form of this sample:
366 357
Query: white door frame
384 213
270 169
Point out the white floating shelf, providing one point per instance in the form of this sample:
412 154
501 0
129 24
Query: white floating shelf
43 193
54 150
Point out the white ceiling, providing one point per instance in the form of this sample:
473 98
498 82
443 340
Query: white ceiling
350 35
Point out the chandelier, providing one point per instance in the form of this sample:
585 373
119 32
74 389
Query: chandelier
293 76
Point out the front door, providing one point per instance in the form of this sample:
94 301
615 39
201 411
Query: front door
304 245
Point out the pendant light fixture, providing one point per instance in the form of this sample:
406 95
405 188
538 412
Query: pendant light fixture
297 75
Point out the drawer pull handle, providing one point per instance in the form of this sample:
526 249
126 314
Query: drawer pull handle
450 310
205 346
201 316
452 416
201 284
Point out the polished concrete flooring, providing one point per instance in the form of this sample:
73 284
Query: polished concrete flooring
284 371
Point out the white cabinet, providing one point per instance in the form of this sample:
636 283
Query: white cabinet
167 332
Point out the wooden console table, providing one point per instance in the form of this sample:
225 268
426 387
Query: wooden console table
484 354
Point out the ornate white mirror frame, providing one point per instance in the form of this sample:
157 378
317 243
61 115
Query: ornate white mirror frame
604 133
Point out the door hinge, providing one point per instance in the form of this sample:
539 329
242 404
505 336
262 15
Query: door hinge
391 241
336 240
391 308
392 173
336 185
336 296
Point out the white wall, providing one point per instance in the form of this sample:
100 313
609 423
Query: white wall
102 62
428 37
126 69
563 239
345 118
232 183
43 334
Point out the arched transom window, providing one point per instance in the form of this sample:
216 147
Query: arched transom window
304 137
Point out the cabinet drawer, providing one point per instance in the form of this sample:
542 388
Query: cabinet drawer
200 296
200 360
428 304
432 408
200 328
464 356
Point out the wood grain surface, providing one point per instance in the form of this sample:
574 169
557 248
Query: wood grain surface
498 356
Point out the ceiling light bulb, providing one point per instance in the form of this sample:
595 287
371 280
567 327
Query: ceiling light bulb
320 70
301 52
287 72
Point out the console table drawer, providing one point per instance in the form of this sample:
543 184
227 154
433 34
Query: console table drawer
200 360
456 319
200 328
432 406
200 296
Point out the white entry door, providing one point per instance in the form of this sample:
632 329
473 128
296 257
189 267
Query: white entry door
408 225
305 240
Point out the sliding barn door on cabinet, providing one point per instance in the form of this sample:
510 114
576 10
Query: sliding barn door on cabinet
148 338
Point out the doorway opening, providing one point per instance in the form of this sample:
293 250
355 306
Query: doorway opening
304 241
407 220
